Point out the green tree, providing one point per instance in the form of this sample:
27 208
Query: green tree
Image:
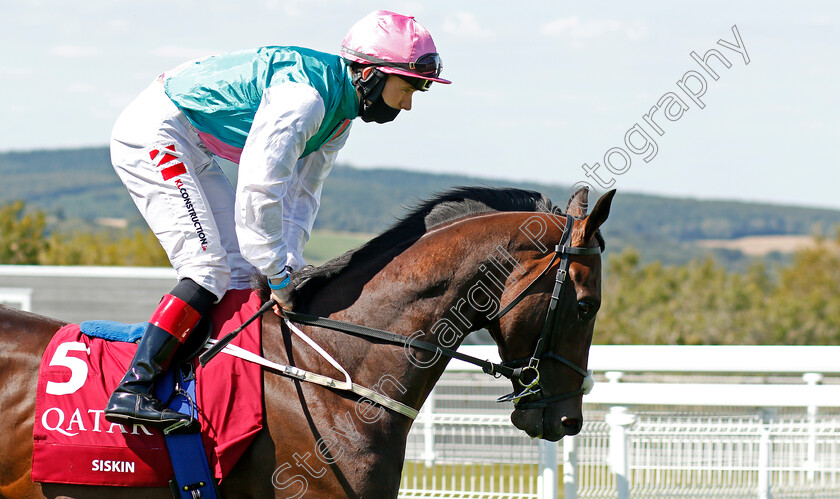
24 241
22 238
703 303
139 248
805 307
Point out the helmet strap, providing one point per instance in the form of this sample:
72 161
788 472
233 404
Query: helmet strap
372 106
370 87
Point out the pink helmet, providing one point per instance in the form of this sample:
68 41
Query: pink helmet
395 44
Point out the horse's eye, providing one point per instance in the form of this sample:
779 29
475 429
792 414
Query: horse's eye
586 309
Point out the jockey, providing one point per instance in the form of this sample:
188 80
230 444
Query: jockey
282 114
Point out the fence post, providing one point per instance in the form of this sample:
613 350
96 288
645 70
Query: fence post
812 379
768 414
570 467
619 420
547 481
428 411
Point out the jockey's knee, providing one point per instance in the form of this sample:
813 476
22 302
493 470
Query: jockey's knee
213 279
195 295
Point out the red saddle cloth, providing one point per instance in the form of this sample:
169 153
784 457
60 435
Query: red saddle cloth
75 444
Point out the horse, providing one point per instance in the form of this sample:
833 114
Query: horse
442 271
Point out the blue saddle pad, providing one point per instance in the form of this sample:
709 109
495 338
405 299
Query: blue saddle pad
114 331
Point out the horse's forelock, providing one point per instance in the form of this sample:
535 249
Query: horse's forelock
461 202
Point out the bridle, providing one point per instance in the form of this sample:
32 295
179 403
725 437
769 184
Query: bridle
529 376
525 370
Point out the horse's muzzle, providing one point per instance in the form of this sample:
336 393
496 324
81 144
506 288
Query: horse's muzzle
551 423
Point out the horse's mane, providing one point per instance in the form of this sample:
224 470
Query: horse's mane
443 207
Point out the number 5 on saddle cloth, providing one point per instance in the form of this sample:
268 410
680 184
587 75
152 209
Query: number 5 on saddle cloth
74 444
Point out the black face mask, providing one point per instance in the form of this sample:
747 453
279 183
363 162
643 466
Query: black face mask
379 112
371 90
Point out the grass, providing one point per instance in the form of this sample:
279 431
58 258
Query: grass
477 480
325 245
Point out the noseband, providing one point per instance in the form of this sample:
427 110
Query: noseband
529 376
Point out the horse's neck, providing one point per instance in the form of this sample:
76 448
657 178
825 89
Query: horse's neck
407 290
415 294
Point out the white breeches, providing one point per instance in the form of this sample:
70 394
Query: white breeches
180 190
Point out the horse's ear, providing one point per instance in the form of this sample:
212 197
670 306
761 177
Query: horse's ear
599 215
578 203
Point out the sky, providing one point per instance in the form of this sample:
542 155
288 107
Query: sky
553 92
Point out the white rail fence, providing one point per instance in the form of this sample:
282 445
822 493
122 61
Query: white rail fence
663 421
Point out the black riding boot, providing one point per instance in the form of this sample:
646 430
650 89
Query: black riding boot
134 401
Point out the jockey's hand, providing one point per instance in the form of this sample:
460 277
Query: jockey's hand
282 291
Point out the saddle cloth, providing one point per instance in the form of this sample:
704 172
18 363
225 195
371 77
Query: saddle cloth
73 443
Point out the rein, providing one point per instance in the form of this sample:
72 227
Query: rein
525 370
488 367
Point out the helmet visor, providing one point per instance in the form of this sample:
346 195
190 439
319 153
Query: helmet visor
428 65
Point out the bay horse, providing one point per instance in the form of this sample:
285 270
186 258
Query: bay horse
444 270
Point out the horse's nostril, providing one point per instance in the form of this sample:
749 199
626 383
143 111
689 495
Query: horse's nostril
572 425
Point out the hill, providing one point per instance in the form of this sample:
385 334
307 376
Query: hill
79 186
